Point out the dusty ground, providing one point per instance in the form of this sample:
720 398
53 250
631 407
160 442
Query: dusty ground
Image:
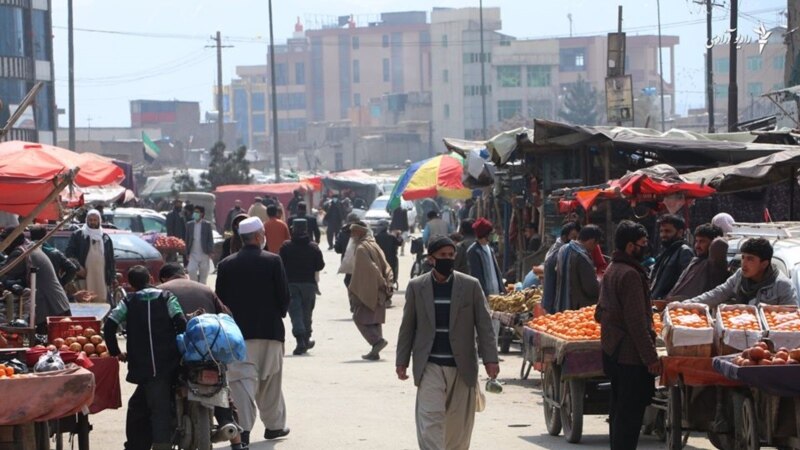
337 401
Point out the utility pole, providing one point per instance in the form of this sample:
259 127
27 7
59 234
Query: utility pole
220 111
483 73
733 87
71 81
709 67
661 64
569 17
275 150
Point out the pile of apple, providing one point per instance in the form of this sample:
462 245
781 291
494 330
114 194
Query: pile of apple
760 355
89 342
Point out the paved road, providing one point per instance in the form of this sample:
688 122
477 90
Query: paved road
335 400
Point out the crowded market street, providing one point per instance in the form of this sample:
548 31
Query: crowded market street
336 400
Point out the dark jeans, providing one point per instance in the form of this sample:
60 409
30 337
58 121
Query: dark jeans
632 389
149 418
304 296
330 233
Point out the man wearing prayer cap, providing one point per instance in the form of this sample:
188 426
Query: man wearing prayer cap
444 312
370 288
252 283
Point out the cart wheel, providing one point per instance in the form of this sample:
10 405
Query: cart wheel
525 370
572 410
722 441
673 421
550 393
747 427
83 431
201 421
42 435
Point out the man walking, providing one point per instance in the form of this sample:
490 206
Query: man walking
577 278
258 209
199 245
94 251
674 257
370 288
176 224
400 223
297 197
333 218
389 244
627 337
311 221
482 262
301 259
235 211
252 283
276 230
444 311
435 226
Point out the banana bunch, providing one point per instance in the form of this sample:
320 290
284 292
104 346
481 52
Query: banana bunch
515 302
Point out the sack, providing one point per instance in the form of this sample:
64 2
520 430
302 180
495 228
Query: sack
480 399
212 337
348 263
49 362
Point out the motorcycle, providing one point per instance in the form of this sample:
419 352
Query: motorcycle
202 386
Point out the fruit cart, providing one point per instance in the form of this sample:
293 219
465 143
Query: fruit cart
511 325
573 383
692 397
512 311
767 409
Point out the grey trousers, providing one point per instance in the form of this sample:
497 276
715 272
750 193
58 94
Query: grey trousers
256 385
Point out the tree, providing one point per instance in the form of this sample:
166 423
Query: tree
183 182
226 168
580 104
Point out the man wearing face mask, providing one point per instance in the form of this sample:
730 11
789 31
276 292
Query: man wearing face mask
199 245
252 283
626 335
370 288
94 251
443 313
674 257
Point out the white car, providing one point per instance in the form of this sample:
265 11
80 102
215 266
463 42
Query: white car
377 211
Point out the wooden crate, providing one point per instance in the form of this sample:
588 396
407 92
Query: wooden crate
705 349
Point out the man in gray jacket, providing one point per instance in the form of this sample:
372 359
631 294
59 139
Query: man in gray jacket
443 312
758 281
199 245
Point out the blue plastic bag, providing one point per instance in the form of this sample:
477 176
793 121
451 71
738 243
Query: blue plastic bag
212 337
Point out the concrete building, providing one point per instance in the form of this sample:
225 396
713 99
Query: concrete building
758 71
26 56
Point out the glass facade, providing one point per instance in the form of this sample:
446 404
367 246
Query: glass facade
41 37
12 31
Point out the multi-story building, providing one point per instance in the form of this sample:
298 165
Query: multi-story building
758 70
26 56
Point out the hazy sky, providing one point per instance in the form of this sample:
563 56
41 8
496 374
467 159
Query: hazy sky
162 53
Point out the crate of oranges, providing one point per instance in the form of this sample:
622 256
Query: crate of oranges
570 325
737 327
782 324
688 330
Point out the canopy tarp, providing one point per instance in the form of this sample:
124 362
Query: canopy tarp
227 195
28 172
676 147
500 147
756 173
363 184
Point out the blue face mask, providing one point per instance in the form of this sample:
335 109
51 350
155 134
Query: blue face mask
196 216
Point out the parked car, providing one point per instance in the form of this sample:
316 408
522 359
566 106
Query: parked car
785 240
129 250
377 212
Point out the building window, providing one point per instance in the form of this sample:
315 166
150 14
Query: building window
721 91
572 59
471 58
281 77
538 76
296 100
356 43
473 90
40 35
258 101
386 72
446 111
259 123
338 163
722 65
356 71
300 73
385 41
444 40
778 62
754 63
507 109
540 109
357 100
446 76
12 39
509 76
755 89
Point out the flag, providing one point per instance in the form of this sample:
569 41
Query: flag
150 149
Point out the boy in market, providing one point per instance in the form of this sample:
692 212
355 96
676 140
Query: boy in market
152 318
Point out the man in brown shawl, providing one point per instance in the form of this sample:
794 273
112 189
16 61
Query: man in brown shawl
370 289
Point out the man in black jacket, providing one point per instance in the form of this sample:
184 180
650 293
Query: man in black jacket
674 257
302 259
176 223
334 214
152 319
389 244
65 269
400 223
252 283
312 226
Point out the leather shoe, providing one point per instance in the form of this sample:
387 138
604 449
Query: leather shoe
374 354
275 434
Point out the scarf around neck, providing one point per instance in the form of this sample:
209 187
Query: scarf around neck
747 289
95 235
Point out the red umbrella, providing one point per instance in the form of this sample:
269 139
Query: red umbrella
28 172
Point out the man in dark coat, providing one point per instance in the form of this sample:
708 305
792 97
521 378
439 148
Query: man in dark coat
675 256
482 261
334 215
64 267
389 244
233 212
467 239
313 227
400 223
295 202
627 337
253 284
176 222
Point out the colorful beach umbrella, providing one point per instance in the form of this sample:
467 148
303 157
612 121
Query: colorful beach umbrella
439 176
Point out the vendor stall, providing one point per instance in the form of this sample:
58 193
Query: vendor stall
246 193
